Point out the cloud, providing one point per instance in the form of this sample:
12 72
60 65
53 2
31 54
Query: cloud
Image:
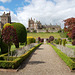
5 1
47 11
3 8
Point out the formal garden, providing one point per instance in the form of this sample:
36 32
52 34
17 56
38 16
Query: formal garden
15 46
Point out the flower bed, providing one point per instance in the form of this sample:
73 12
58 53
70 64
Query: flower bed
17 60
65 58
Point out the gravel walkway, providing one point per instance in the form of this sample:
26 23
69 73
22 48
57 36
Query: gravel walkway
44 61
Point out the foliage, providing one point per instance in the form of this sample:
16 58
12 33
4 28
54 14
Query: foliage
39 39
60 41
51 38
4 47
69 39
73 43
21 32
68 25
7 24
15 63
65 58
64 42
42 40
30 40
9 36
56 41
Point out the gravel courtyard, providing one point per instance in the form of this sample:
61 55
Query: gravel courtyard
44 61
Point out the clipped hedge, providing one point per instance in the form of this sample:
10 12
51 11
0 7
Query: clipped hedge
16 62
65 58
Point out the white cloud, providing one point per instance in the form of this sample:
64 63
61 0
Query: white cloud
5 1
3 8
47 11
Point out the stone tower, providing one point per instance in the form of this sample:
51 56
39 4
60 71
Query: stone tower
5 18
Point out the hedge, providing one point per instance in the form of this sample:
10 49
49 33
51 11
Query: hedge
30 40
65 58
16 62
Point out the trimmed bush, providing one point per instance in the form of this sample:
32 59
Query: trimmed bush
64 57
4 47
51 38
64 42
56 41
21 32
60 41
30 40
7 24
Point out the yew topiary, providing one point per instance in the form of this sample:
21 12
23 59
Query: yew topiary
21 32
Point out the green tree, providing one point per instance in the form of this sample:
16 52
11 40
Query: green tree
21 32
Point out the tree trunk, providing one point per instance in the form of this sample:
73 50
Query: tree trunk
8 52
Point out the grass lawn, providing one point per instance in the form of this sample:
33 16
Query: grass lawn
43 35
63 35
14 48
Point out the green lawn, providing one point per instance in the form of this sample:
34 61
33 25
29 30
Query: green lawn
14 48
43 35
63 35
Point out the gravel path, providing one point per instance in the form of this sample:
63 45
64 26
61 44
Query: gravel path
44 61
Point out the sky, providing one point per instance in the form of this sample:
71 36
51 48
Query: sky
45 11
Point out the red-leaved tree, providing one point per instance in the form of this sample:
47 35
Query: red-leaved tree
9 36
68 25
73 36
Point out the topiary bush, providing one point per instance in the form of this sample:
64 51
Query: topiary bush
21 32
60 41
56 41
64 42
7 24
30 40
4 47
51 38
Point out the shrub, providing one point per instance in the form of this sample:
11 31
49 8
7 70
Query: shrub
30 40
60 41
51 38
69 39
73 43
56 41
42 40
0 42
4 48
64 42
7 24
21 32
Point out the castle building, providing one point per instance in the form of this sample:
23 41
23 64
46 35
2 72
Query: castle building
38 27
5 18
34 25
